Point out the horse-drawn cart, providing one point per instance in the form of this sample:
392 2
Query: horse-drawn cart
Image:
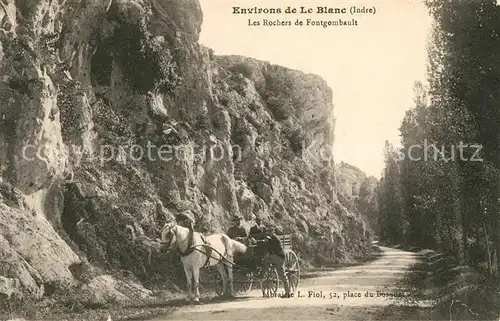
199 251
260 275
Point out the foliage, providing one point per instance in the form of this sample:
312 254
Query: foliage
367 202
48 44
390 198
242 68
279 91
101 66
239 131
98 228
146 63
285 95
295 138
68 96
446 200
20 52
201 123
111 124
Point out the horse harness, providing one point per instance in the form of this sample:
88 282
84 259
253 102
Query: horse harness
191 248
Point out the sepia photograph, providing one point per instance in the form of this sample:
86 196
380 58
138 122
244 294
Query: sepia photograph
249 160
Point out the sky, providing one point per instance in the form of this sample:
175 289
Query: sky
370 67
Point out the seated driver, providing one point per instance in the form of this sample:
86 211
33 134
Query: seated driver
258 227
237 230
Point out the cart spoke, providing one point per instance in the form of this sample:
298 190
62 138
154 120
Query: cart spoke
292 269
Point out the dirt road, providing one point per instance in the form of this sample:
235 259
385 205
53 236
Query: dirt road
364 292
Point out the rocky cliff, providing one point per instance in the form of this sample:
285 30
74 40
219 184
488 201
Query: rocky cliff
358 192
113 118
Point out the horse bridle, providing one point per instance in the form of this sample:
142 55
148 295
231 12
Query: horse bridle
189 249
171 235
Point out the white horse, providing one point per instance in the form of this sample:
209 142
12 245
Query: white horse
199 251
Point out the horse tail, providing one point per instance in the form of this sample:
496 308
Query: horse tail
228 244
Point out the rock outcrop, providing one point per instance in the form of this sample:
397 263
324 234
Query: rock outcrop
358 192
114 118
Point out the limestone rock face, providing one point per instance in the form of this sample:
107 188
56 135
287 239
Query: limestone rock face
113 118
358 192
32 254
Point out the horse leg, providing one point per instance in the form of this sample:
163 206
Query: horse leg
196 283
228 243
189 276
230 277
222 271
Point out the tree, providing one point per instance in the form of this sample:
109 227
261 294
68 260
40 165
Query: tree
449 202
466 83
391 214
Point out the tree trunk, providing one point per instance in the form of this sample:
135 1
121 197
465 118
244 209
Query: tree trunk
492 253
488 251
465 244
450 236
494 210
496 226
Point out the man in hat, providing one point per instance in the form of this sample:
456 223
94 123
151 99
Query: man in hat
237 230
258 227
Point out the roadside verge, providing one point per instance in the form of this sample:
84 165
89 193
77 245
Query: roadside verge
455 291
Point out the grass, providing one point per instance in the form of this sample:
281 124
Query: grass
163 302
457 292
48 310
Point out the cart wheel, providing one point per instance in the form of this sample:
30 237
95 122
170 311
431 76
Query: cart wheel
246 283
292 269
218 284
270 282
